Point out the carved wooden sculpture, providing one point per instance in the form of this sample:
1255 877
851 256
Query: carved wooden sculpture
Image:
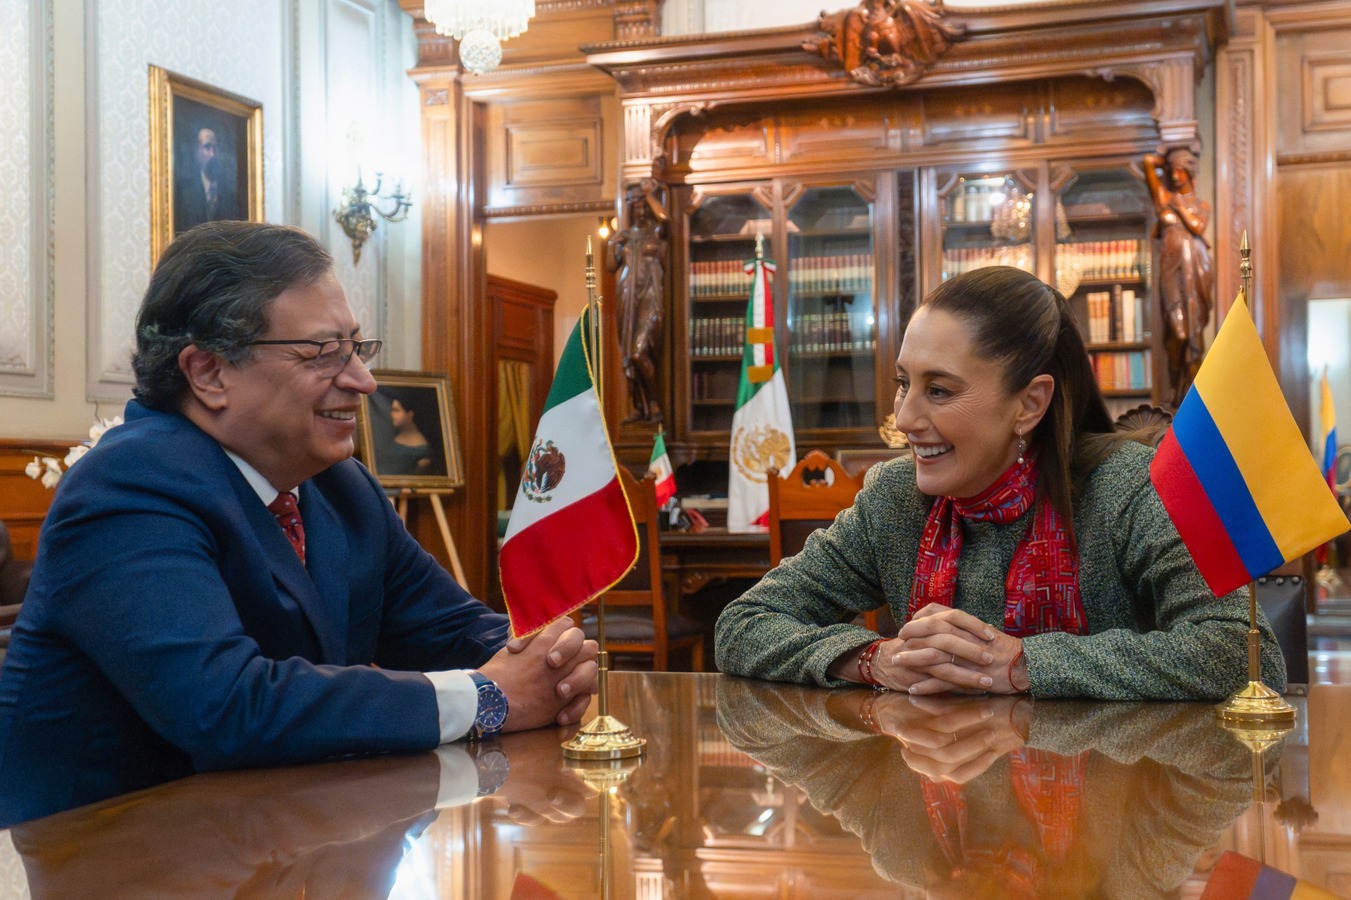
1186 283
886 42
638 254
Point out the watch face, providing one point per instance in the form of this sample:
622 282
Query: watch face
492 766
492 709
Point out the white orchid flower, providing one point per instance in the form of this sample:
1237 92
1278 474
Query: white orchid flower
97 430
45 468
49 470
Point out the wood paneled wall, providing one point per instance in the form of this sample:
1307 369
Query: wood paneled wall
1283 124
23 501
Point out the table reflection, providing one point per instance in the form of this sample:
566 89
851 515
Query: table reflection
747 789
1001 797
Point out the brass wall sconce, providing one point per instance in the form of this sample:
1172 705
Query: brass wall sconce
355 213
606 227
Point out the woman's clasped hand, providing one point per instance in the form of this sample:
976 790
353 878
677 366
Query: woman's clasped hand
944 649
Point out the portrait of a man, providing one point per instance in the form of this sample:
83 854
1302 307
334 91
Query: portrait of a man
208 165
206 157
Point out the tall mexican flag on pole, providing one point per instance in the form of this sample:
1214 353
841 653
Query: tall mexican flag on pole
571 535
762 427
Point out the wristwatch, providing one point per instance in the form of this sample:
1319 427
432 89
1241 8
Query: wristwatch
492 708
491 764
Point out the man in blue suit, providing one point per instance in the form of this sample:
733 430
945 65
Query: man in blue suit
185 614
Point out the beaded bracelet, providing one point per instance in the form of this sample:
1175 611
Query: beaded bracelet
865 663
1012 664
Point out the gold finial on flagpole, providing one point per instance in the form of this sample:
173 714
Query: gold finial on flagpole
759 245
1245 268
1255 705
604 737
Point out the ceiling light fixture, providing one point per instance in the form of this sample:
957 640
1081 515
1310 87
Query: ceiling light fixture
479 27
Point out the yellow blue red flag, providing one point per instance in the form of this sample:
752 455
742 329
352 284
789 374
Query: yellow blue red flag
1327 420
1234 471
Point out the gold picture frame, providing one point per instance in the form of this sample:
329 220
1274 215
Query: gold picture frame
202 131
425 410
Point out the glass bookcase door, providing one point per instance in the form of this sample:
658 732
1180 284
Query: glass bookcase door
1102 264
832 308
988 220
722 232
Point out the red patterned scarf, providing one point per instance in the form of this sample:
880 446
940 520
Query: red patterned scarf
1041 592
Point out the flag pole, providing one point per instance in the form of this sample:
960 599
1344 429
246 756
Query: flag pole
1255 706
604 739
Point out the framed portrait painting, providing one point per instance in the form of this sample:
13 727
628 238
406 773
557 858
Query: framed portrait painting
408 436
206 157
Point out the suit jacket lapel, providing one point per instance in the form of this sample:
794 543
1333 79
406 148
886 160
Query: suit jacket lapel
291 575
326 549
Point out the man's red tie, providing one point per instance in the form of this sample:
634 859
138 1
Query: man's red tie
288 517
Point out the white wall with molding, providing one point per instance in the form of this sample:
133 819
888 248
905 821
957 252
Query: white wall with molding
322 70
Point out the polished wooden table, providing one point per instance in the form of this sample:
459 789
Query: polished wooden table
747 790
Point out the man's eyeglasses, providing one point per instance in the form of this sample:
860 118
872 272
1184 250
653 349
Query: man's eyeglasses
333 356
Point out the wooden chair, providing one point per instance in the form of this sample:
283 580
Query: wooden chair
808 498
636 617
1286 595
14 575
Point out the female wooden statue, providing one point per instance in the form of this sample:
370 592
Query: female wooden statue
638 254
1185 284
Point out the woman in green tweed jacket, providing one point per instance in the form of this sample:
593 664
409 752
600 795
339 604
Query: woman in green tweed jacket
1023 547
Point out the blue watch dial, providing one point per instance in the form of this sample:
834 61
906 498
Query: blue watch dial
492 706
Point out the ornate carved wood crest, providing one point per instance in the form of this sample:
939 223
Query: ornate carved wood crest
886 42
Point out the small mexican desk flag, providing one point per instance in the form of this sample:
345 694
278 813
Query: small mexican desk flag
762 427
571 535
660 467
1234 471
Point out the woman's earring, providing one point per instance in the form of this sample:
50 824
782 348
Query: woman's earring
1022 447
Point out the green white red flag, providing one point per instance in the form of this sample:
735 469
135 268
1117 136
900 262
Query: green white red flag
571 535
762 427
660 469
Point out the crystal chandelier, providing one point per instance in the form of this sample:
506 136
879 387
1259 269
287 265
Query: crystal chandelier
480 27
1011 221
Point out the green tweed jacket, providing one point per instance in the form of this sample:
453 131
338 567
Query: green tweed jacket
1155 630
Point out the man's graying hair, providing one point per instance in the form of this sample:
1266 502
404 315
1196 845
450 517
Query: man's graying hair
212 288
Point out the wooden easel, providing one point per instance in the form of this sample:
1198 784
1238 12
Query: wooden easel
400 501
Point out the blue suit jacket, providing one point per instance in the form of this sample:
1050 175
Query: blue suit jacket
169 627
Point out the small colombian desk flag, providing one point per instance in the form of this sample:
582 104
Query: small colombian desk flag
1234 471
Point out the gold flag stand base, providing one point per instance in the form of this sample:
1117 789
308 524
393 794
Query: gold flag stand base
604 737
1258 705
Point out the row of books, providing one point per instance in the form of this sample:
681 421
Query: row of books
1092 260
832 332
1116 315
958 260
847 273
1122 370
1106 259
717 336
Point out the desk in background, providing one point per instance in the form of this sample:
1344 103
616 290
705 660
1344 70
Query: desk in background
748 789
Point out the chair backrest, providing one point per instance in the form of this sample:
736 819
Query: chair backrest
1283 600
809 497
642 585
